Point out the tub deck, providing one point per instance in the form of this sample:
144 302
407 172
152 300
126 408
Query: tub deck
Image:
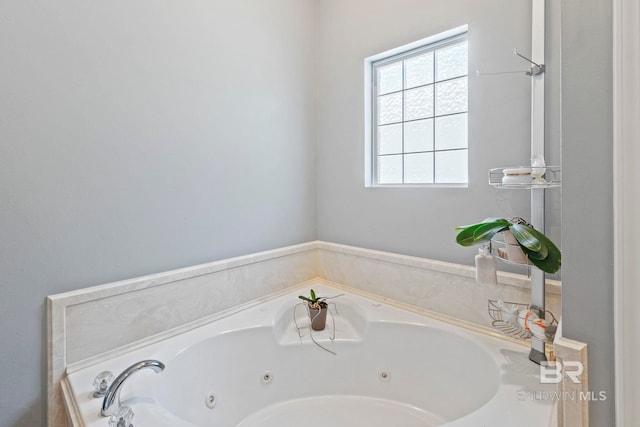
391 367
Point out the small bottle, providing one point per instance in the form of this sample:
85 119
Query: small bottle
486 267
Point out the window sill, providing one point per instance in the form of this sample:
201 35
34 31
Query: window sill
418 186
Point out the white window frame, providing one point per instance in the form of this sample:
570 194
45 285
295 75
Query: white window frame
398 54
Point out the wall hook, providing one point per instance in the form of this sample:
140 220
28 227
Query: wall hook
535 68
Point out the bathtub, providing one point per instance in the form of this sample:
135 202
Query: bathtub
384 367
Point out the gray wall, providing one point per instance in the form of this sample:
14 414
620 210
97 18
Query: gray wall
141 136
587 205
420 221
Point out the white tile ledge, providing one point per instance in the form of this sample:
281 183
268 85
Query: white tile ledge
71 408
504 278
143 282
572 412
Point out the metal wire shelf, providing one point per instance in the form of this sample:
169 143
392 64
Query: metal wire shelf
507 318
550 177
508 250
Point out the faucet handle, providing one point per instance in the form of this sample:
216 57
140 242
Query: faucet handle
122 418
101 383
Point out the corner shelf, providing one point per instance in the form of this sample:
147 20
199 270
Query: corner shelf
551 178
511 323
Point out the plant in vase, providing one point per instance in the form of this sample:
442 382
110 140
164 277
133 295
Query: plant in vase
538 249
317 307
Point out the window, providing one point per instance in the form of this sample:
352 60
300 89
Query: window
419 115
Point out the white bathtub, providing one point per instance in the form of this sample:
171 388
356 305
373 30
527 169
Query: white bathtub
392 368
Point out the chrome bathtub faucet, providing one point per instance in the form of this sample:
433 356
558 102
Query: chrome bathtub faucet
111 402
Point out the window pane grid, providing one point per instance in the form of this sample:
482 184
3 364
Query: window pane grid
435 103
423 85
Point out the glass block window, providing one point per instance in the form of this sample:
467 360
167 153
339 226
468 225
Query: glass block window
420 115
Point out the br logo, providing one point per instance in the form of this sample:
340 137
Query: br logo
552 372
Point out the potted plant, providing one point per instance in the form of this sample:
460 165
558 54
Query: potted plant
539 250
317 307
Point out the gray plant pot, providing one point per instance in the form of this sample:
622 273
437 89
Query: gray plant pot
318 321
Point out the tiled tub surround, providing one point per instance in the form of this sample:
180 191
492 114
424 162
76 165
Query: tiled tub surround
443 287
90 325
390 367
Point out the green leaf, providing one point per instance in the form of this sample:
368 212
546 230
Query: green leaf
465 237
553 261
481 232
495 219
526 238
304 298
484 221
487 231
548 265
535 255
313 296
